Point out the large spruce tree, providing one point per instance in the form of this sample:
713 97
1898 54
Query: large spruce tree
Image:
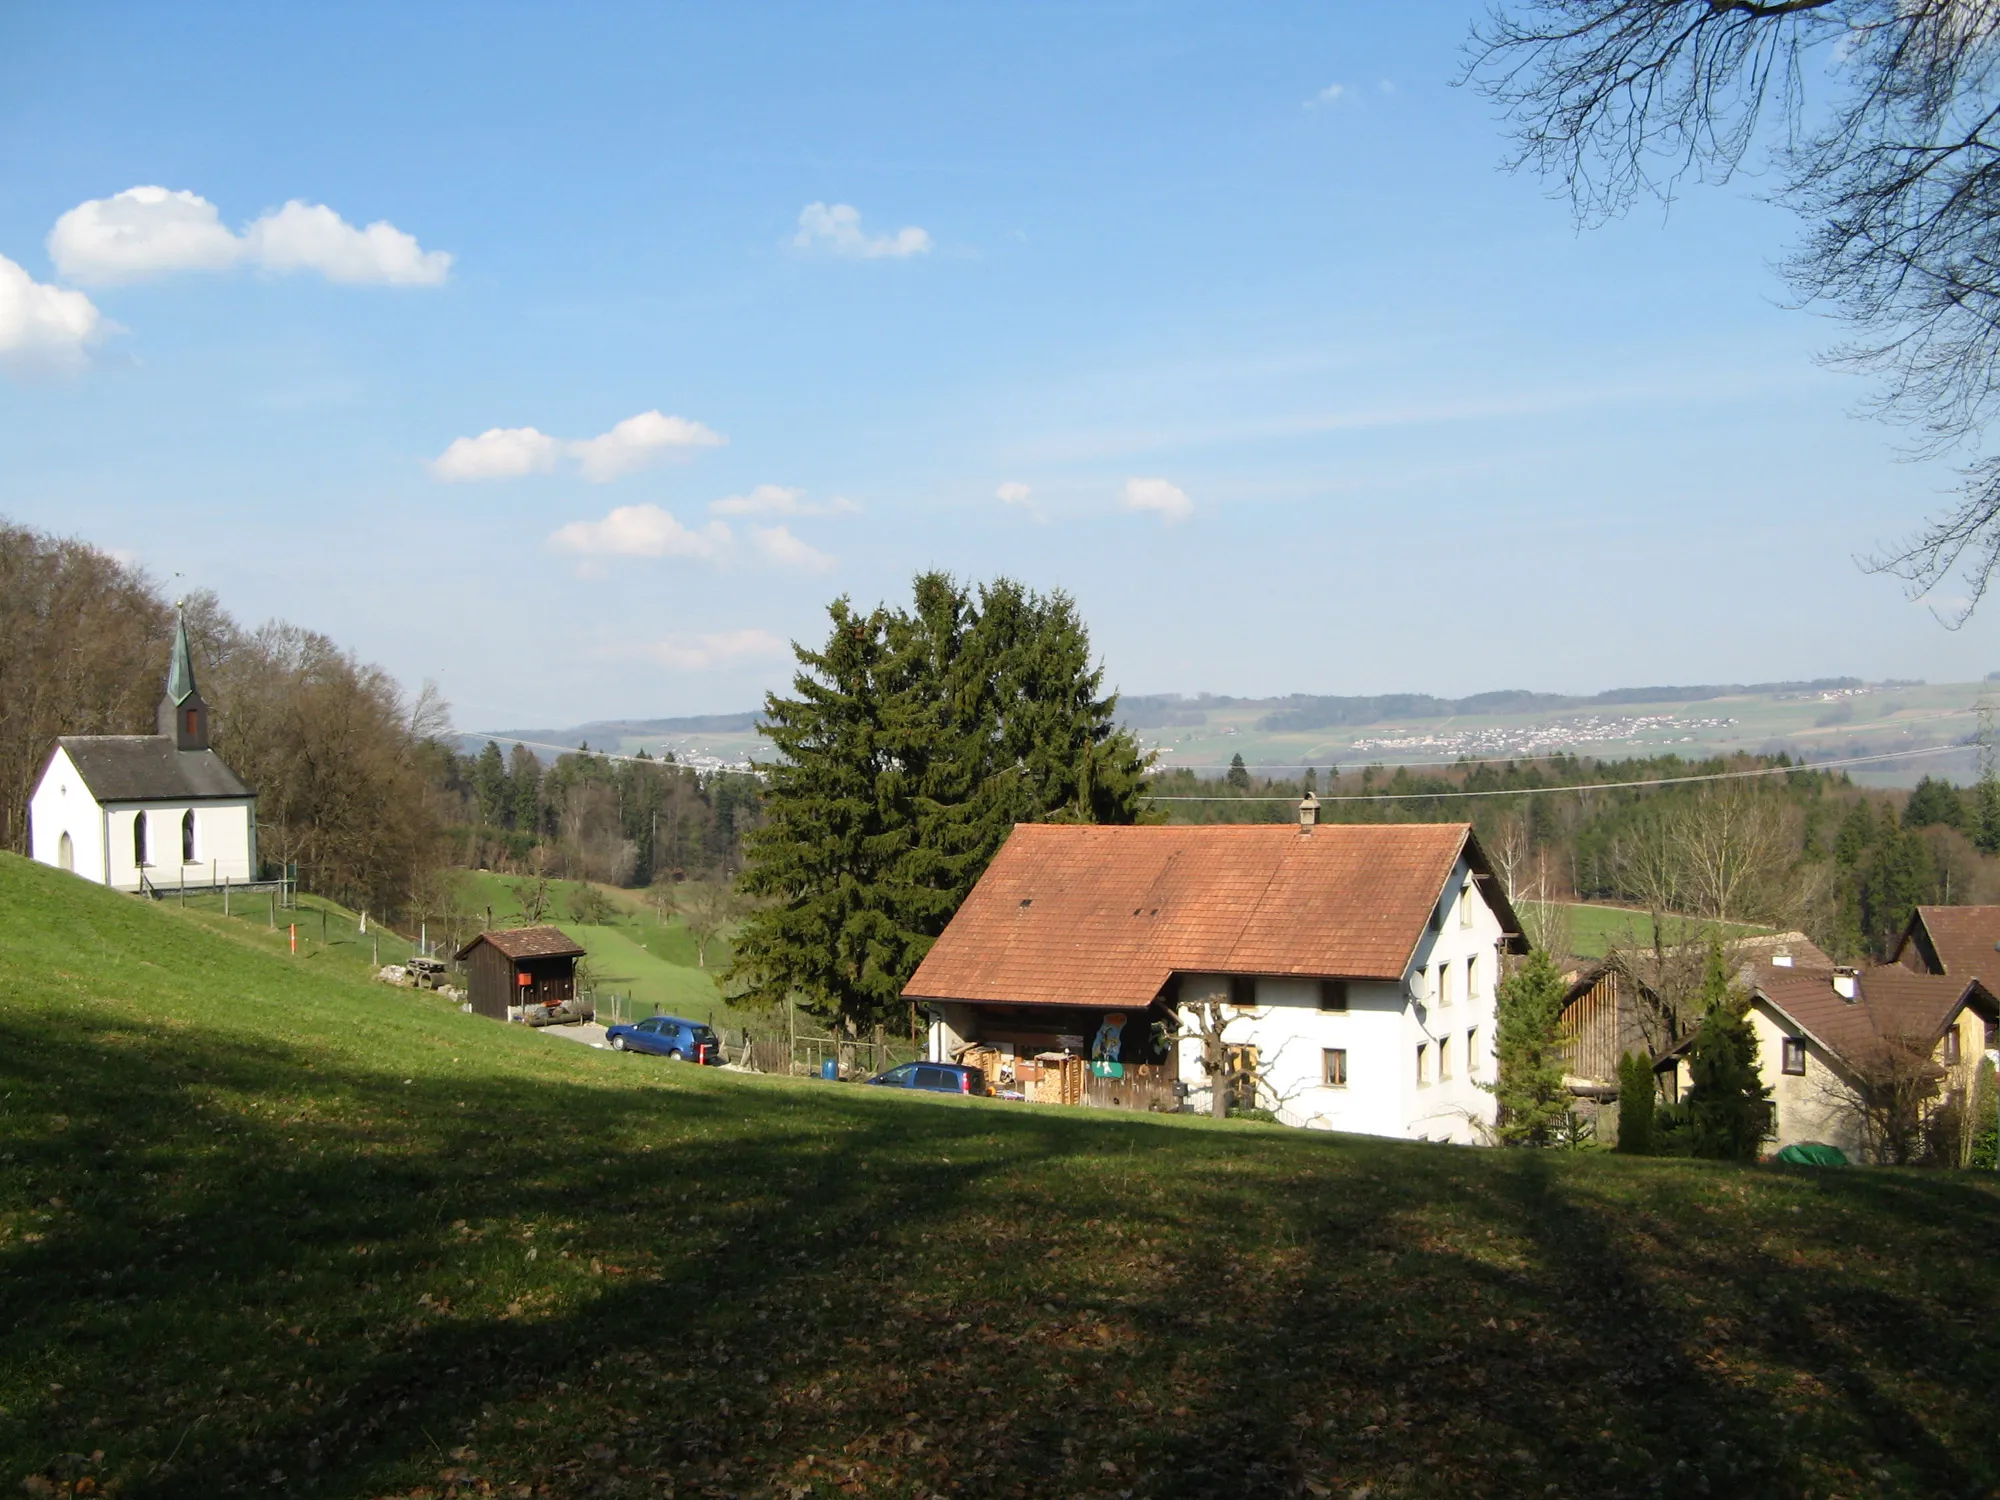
1530 1051
917 738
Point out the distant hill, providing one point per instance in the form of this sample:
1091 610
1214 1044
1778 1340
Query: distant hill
1819 718
1303 711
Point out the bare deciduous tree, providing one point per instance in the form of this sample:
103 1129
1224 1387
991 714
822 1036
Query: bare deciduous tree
1882 121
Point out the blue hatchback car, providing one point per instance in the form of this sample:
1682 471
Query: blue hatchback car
668 1036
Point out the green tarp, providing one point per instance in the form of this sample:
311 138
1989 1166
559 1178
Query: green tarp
1812 1154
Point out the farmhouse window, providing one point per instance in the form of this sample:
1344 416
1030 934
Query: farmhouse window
1472 980
1472 1053
1243 992
1423 1063
139 840
1333 1067
1444 984
1951 1047
187 837
1465 904
1333 994
1795 1056
1444 1058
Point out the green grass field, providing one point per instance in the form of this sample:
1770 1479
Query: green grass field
1594 930
265 1229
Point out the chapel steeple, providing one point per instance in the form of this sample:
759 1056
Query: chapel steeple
183 712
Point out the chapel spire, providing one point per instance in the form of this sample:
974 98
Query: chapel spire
183 712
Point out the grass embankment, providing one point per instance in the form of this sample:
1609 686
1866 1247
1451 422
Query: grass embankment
1595 930
264 1231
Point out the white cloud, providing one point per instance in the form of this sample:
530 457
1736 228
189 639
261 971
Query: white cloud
498 453
642 531
635 443
836 228
1016 494
722 648
44 329
1168 501
312 237
150 231
1333 93
639 441
778 500
778 547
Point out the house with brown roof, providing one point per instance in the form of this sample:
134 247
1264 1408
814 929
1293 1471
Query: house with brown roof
1962 942
1356 965
1842 1049
1618 1003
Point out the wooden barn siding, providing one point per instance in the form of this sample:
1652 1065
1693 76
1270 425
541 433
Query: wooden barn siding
491 982
1589 1030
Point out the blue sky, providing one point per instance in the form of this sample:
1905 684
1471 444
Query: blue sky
1283 378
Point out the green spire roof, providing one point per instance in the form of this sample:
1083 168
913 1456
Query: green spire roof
180 671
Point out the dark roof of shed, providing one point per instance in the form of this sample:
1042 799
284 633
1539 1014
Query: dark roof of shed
528 942
1084 915
149 768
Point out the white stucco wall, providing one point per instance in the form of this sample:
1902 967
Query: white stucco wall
62 804
224 843
1381 1029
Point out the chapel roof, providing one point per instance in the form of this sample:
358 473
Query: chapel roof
148 768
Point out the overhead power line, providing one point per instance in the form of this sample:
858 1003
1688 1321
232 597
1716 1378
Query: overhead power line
1596 786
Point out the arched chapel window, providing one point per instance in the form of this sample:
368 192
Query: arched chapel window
139 840
187 837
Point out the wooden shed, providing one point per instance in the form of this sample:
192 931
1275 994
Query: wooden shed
519 967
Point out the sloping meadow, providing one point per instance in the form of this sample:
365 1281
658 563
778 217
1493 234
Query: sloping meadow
267 1233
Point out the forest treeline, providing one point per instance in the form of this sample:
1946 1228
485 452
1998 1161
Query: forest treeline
1784 845
358 781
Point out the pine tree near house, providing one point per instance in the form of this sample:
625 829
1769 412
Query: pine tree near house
1636 1104
1727 1111
1529 1089
916 741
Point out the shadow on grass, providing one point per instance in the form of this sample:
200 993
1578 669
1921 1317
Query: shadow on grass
238 1267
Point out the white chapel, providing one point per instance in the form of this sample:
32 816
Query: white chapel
139 811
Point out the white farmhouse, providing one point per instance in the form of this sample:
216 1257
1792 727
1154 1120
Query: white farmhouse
1355 965
133 811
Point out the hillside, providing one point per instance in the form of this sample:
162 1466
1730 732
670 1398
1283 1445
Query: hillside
266 1230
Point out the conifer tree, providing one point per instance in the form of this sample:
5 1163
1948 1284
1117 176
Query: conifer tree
1529 1088
489 785
1636 1104
917 740
1727 1111
1239 774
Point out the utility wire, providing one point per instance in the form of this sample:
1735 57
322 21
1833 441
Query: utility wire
1595 786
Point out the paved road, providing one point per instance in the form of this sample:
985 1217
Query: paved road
588 1032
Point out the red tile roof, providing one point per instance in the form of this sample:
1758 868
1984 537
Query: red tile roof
528 942
1891 1004
1961 938
1073 914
